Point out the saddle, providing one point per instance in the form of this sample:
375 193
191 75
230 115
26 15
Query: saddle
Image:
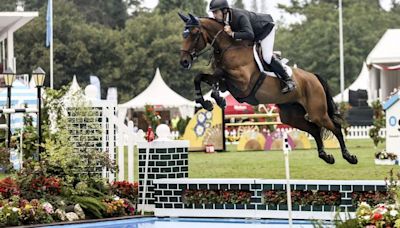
264 66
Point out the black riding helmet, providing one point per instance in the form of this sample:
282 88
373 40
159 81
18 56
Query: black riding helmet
218 5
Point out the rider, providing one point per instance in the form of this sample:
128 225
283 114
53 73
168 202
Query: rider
245 25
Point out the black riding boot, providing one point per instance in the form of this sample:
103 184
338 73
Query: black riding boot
279 70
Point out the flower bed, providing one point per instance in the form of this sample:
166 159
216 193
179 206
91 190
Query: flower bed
216 197
300 197
57 202
370 197
381 215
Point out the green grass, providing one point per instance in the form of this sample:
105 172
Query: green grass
304 164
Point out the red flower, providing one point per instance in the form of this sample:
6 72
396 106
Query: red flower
8 187
377 216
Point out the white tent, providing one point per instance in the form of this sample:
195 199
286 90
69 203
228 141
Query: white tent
362 82
380 74
159 94
384 64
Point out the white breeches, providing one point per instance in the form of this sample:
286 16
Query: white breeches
267 46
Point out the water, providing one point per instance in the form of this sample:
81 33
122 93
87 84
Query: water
192 223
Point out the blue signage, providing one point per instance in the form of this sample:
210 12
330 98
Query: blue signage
392 121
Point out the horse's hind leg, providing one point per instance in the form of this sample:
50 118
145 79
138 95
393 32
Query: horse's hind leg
293 115
337 131
323 120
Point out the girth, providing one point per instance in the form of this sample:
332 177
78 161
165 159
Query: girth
251 98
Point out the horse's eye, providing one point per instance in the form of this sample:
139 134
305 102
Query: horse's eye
186 33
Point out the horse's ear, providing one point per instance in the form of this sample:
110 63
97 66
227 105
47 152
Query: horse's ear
183 17
193 18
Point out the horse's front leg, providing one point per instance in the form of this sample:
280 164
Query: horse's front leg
199 95
215 94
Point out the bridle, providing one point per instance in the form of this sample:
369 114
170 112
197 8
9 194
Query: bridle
193 53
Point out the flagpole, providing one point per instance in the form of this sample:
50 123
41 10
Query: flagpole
341 51
51 46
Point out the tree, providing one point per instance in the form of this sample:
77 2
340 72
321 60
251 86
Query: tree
239 4
153 40
79 48
196 7
314 44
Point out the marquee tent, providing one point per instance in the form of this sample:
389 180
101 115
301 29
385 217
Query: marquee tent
160 95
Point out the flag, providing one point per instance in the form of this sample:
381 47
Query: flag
49 23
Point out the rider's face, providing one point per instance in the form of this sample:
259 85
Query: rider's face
218 14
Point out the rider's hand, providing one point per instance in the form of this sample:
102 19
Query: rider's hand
228 30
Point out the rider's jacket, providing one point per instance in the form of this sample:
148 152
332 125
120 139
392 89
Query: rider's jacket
248 25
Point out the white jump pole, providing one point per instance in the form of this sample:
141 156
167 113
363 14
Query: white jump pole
286 149
146 167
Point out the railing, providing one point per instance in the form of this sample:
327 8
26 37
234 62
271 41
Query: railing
354 132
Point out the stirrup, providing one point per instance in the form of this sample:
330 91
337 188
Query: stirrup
289 87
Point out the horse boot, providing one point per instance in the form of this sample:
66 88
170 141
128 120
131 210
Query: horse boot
207 105
279 70
220 101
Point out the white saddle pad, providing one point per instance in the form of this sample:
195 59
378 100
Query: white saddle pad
269 73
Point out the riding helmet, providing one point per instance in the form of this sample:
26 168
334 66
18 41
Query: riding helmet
218 5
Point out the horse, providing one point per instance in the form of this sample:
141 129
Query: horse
309 107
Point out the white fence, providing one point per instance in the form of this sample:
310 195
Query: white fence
354 132
116 138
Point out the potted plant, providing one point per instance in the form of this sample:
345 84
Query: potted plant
385 158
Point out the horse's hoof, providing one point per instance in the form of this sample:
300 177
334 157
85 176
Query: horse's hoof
207 105
328 158
222 103
352 159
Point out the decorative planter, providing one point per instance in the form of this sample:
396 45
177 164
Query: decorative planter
317 207
385 162
329 208
306 207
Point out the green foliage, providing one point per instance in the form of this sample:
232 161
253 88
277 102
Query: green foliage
92 206
196 7
238 4
97 37
344 108
29 138
70 156
5 158
182 123
379 123
152 117
314 44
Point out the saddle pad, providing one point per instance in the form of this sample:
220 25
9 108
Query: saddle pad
269 73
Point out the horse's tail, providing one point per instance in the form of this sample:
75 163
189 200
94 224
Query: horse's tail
333 112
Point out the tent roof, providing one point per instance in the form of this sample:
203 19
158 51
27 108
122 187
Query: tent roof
387 50
12 21
362 82
159 94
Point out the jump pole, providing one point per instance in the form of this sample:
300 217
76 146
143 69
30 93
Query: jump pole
286 149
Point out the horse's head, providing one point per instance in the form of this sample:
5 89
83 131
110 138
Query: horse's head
194 40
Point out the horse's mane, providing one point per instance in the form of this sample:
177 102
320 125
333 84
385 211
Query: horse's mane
213 19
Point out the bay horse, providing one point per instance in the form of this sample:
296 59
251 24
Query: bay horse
309 107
